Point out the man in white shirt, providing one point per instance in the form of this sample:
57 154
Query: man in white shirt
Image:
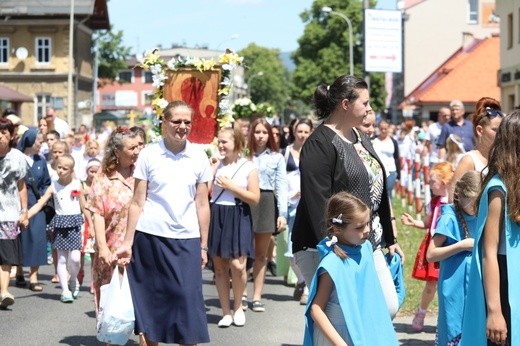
434 130
60 125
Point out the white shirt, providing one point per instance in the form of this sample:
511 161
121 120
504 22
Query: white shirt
169 210
240 171
13 167
77 154
64 202
61 126
385 150
434 130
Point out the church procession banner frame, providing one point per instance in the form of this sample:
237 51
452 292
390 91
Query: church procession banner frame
199 89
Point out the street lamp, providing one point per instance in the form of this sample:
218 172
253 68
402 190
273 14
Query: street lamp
328 10
258 74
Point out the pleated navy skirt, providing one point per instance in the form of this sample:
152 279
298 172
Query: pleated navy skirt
231 231
165 279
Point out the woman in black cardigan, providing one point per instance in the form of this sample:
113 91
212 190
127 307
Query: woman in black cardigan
337 157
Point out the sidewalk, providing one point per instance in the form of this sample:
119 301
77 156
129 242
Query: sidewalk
409 337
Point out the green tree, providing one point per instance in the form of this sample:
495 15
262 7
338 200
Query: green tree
266 75
323 53
112 54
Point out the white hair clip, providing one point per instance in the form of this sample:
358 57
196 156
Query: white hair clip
337 220
328 87
332 241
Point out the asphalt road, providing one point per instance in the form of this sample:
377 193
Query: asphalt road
41 319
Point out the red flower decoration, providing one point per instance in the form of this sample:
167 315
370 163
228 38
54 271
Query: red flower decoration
74 193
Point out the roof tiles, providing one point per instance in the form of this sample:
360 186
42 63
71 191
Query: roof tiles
469 74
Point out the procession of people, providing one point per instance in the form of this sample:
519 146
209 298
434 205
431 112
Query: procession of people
163 210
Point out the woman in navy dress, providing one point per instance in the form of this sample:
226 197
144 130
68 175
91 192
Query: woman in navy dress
34 239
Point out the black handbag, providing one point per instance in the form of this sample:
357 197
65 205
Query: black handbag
48 208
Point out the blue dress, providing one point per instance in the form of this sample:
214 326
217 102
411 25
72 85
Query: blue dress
364 318
474 324
453 276
34 238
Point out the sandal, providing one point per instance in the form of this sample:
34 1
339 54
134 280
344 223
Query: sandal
55 279
35 287
20 281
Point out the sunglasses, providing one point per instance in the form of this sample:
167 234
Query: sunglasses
178 122
493 113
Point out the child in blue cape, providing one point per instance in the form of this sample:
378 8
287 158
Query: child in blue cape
492 315
346 304
451 245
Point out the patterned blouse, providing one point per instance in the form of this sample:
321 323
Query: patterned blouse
375 174
110 198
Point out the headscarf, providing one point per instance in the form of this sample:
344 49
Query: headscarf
27 140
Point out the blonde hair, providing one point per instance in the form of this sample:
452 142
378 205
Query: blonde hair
454 148
238 138
62 144
88 144
347 208
468 186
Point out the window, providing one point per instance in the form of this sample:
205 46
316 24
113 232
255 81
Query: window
57 103
4 50
511 101
473 11
43 50
148 77
509 31
125 77
148 98
42 101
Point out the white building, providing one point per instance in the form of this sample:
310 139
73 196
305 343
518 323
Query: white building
509 74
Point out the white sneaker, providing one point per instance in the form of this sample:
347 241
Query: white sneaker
239 318
225 322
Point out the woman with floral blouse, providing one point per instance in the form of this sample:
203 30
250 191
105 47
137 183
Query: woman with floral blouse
109 199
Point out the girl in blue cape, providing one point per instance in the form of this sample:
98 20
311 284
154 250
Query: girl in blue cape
493 311
346 304
451 246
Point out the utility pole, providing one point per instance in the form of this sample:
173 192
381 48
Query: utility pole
366 76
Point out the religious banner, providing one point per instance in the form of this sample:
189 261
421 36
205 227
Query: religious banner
200 91
204 84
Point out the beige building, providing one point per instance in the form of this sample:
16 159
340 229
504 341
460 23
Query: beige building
509 74
34 55
436 29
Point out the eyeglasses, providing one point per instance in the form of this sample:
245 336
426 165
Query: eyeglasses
178 122
493 112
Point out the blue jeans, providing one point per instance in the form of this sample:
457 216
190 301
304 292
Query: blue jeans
390 183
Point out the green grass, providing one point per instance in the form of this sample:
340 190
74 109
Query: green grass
409 240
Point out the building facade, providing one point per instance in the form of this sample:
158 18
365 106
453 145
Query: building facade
435 29
509 74
34 55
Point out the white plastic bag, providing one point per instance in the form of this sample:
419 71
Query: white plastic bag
116 311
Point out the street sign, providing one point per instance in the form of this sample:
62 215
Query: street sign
383 41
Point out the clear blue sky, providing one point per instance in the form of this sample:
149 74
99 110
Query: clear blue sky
268 23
